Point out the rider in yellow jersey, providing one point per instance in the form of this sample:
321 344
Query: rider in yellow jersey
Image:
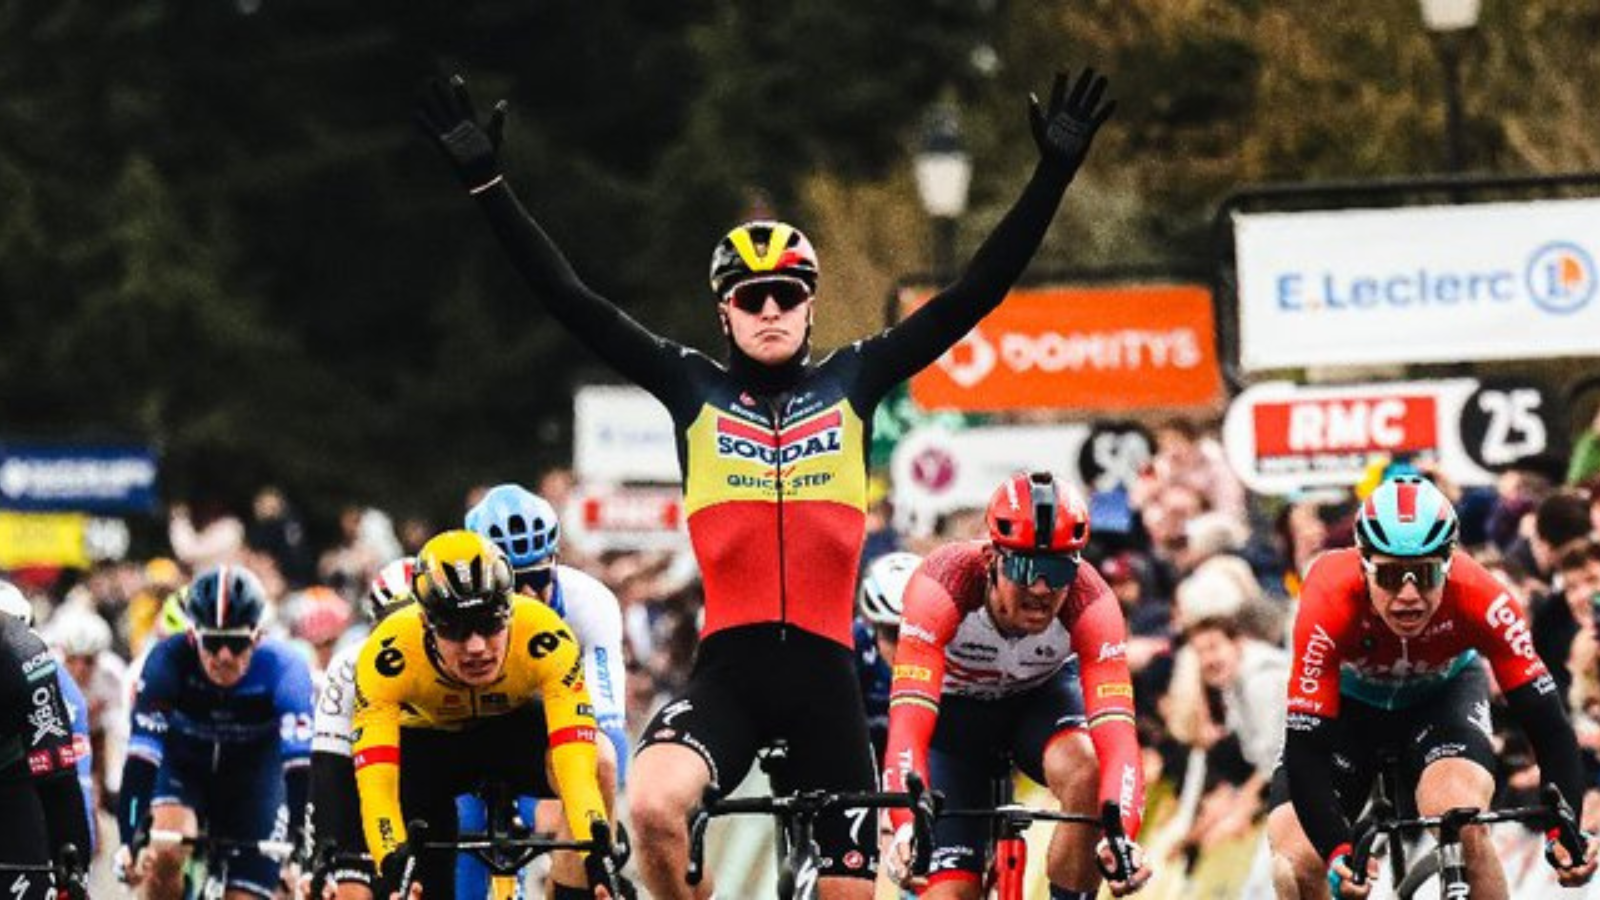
471 685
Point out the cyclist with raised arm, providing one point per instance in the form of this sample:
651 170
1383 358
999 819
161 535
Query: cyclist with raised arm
42 805
773 449
1389 645
877 634
524 527
335 831
1014 653
221 738
448 698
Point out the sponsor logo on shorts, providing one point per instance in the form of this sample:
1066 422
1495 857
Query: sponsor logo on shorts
1444 751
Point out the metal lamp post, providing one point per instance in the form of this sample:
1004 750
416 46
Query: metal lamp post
1451 23
944 173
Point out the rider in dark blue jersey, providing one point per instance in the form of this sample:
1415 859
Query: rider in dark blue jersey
221 736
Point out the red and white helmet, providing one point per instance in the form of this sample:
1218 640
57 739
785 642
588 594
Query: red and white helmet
391 587
1032 513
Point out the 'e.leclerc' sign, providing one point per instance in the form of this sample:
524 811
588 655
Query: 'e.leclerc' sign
74 477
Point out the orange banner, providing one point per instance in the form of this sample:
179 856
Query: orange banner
1115 348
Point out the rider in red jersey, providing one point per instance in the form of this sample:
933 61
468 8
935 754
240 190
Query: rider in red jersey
1387 644
985 677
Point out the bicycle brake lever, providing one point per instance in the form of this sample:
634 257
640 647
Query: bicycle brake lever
1121 868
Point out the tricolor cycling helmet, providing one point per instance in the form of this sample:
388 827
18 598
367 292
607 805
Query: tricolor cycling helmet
759 249
1407 516
13 603
884 585
391 587
227 598
521 523
1032 513
461 572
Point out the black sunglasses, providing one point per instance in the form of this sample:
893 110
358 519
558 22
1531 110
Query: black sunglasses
538 578
463 626
1426 573
751 296
234 642
1058 571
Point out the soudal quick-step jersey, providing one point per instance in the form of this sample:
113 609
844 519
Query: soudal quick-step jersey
775 457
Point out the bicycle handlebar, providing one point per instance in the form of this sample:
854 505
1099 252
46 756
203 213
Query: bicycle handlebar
810 804
524 850
1555 812
277 851
1109 820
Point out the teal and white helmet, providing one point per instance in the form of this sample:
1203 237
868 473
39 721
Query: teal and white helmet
1407 516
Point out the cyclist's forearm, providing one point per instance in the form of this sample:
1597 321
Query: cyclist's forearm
64 812
296 791
1307 761
604 328
337 810
1550 732
932 329
138 780
574 763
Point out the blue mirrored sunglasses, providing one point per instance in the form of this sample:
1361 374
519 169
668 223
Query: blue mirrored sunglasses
1058 571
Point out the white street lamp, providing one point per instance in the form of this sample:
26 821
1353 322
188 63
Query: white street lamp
944 173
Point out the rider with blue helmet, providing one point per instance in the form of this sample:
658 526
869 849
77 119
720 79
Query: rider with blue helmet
525 528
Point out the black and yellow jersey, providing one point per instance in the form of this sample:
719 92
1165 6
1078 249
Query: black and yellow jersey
399 684
775 457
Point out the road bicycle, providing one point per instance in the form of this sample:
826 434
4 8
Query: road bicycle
796 814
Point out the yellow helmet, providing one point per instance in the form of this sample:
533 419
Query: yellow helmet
762 249
460 573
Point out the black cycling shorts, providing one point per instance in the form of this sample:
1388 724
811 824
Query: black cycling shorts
1452 723
755 684
506 750
977 742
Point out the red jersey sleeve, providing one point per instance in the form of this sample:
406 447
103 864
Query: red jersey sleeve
929 618
1100 639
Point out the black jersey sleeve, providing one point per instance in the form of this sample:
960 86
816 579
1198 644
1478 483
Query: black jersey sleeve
1538 709
919 340
1307 758
336 812
651 361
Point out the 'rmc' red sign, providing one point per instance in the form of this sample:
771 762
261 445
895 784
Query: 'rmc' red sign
1391 424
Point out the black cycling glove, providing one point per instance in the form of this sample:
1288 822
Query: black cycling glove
398 868
1064 131
446 115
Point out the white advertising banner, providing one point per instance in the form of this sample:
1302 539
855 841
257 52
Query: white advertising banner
602 519
622 434
1281 437
937 471
1418 284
